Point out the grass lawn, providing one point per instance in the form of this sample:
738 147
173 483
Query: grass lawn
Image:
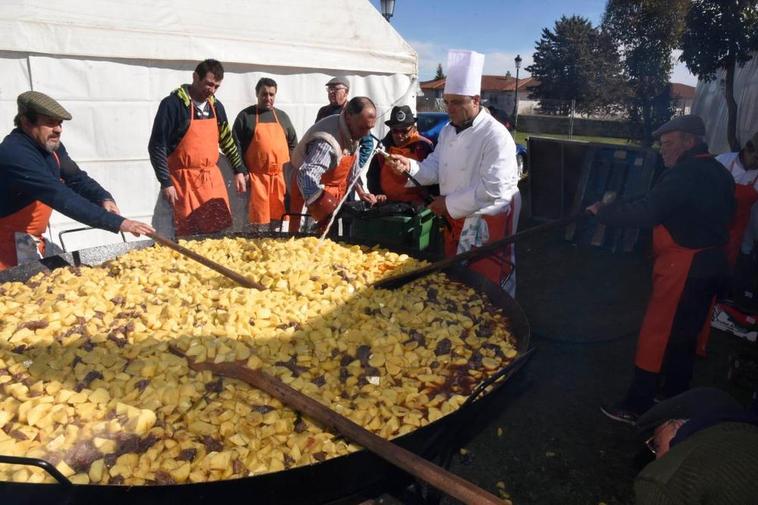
521 137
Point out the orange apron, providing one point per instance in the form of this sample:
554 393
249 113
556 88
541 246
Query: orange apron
203 203
265 157
670 271
334 182
32 219
392 183
494 267
746 196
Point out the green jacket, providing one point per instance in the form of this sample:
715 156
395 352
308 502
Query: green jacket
715 466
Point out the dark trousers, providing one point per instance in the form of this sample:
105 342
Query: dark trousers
679 362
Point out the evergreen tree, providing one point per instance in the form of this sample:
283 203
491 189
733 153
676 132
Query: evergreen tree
439 74
646 31
719 35
576 61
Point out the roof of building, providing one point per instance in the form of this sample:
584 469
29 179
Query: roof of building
489 83
679 90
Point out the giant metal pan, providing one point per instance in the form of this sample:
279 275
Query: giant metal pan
341 479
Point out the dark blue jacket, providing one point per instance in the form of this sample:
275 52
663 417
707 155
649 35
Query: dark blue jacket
28 173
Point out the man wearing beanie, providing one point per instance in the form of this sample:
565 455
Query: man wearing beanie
689 209
37 176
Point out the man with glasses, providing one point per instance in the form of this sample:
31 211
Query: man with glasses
706 451
474 164
403 139
689 209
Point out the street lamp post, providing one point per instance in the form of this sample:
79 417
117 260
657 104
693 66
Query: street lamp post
388 9
517 60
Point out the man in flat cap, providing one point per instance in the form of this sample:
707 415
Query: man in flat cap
689 210
403 139
37 176
706 451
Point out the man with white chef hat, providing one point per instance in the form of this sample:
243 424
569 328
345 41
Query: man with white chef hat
475 165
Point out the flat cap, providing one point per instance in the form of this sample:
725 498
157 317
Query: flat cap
336 81
696 402
41 104
687 124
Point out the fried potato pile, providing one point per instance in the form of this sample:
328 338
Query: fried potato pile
87 380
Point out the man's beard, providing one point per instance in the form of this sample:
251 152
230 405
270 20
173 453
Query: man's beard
52 145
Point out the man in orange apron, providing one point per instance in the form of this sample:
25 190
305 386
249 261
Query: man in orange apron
403 139
37 176
189 127
743 166
266 137
689 209
326 161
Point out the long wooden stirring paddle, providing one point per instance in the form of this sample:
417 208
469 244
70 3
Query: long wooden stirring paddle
226 272
430 473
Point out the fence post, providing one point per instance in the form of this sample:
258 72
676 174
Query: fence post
571 120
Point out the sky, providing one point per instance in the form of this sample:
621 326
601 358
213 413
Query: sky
500 29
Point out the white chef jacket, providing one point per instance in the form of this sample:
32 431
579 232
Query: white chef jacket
733 163
476 168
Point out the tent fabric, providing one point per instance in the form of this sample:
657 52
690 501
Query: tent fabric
710 104
111 63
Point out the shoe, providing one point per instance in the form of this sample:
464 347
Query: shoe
619 412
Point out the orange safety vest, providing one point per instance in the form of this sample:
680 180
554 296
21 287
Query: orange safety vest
494 267
32 219
334 182
393 184
265 157
203 202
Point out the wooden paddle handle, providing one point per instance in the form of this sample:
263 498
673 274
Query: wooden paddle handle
396 281
430 473
236 277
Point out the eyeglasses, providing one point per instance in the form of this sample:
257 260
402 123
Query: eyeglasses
401 131
335 89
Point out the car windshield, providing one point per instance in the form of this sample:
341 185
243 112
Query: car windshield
427 121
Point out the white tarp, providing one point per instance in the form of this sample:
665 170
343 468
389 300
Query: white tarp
710 104
111 62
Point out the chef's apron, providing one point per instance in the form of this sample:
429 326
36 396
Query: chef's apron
203 203
31 220
265 158
746 196
393 184
334 182
670 270
495 267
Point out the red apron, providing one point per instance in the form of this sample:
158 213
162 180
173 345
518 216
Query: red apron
494 267
203 203
32 219
265 157
746 196
334 182
392 183
670 271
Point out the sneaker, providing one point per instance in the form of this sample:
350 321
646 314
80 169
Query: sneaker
619 412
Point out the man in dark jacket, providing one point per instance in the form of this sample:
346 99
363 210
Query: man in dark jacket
37 176
689 209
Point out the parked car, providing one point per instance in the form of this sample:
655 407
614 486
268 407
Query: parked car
430 125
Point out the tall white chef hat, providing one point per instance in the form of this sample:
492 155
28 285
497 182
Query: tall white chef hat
464 72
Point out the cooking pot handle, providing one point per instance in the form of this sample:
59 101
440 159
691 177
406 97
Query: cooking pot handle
40 463
73 230
510 368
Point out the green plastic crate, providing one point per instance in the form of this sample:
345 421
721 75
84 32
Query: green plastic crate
407 232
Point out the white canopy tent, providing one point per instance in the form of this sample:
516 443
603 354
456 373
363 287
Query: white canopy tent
110 62
710 104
